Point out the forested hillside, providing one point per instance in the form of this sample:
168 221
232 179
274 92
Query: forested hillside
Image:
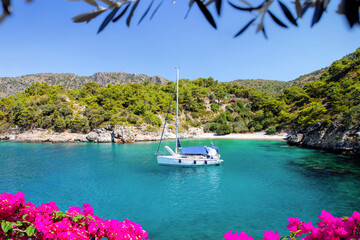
334 98
217 107
12 86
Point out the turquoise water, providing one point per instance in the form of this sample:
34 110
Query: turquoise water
260 185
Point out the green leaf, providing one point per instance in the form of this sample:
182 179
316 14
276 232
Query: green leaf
146 12
280 23
30 230
108 19
6 226
156 9
287 13
24 216
283 238
218 6
78 217
60 214
206 13
3 225
122 13
131 14
244 28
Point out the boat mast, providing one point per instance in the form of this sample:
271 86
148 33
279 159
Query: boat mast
177 108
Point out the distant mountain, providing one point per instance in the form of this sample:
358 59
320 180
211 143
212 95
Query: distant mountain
12 86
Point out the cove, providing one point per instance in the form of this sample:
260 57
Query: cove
260 185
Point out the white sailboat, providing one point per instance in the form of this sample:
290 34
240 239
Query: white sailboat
187 156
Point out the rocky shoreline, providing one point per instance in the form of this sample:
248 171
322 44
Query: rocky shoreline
334 138
117 134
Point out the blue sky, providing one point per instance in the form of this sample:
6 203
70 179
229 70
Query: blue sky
40 37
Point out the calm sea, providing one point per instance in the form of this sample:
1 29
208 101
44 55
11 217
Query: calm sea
260 185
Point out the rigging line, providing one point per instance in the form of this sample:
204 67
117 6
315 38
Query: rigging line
172 95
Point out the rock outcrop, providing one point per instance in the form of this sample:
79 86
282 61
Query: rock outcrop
123 134
334 138
118 134
99 136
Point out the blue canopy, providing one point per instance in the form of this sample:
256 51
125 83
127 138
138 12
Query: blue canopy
200 150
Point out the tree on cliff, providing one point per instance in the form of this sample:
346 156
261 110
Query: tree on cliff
126 8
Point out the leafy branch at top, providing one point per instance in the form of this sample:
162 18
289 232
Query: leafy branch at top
348 8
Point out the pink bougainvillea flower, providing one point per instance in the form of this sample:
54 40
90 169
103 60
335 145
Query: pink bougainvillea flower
294 224
236 236
73 225
270 235
327 219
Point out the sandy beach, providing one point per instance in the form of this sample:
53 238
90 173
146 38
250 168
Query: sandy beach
244 136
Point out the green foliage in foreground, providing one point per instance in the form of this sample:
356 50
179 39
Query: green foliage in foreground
217 107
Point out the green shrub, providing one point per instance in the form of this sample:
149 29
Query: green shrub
79 124
194 115
2 115
156 121
258 127
224 129
185 126
65 110
196 124
229 116
211 127
133 119
240 127
244 130
46 122
271 130
115 119
107 116
215 107
152 119
4 127
150 128
352 117
59 125
221 118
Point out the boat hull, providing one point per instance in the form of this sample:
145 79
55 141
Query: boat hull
187 162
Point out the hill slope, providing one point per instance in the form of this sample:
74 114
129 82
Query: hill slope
276 87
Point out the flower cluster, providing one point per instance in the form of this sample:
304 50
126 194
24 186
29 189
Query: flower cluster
329 228
21 220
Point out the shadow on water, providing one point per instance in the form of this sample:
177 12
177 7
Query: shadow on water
328 164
